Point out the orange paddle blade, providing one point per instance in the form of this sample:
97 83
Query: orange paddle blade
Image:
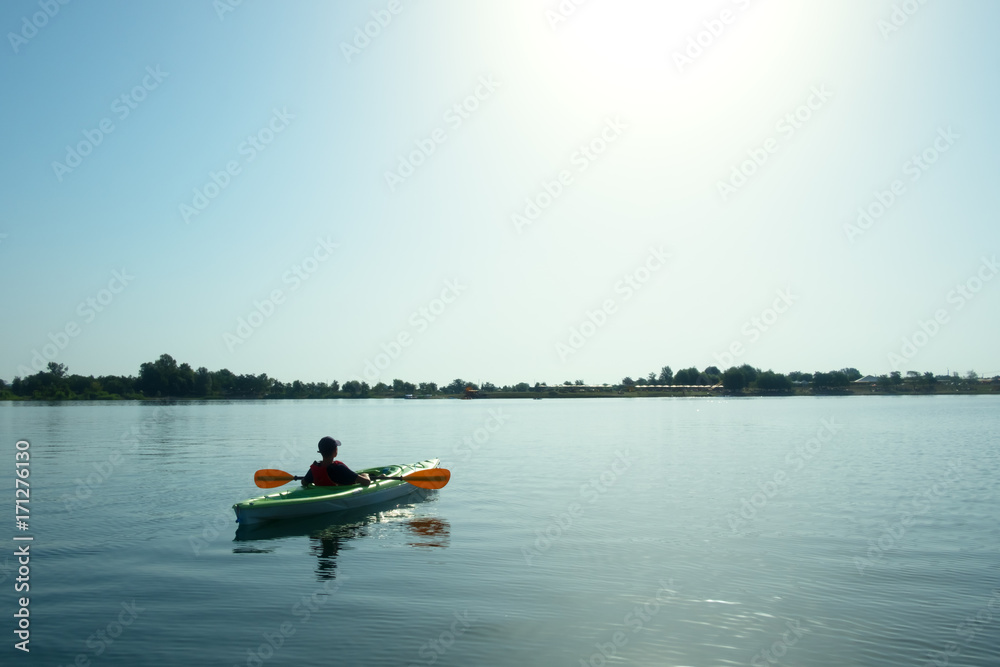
270 478
432 478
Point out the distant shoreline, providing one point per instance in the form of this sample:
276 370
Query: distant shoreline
552 393
164 378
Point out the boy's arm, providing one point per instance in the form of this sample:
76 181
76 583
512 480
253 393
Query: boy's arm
341 474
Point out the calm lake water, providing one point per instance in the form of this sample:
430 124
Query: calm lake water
793 531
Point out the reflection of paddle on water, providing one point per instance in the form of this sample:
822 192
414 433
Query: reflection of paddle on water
435 532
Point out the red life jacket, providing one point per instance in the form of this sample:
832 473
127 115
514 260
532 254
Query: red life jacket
320 476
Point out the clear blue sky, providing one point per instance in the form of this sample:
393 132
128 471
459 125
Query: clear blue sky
566 207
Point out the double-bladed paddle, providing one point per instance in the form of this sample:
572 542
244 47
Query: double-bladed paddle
431 478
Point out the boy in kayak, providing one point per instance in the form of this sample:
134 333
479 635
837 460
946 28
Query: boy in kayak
329 472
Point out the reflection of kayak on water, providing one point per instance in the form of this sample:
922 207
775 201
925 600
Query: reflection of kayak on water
329 534
312 500
342 525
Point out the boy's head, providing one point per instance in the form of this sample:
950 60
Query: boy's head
328 446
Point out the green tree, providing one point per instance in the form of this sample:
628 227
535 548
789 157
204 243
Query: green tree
356 389
119 387
713 374
457 386
666 375
164 378
182 383
202 382
822 381
771 381
733 380
749 372
829 381
687 376
58 371
851 373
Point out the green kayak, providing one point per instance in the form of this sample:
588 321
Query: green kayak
310 500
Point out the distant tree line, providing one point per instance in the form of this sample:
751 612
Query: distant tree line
738 379
165 378
747 378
